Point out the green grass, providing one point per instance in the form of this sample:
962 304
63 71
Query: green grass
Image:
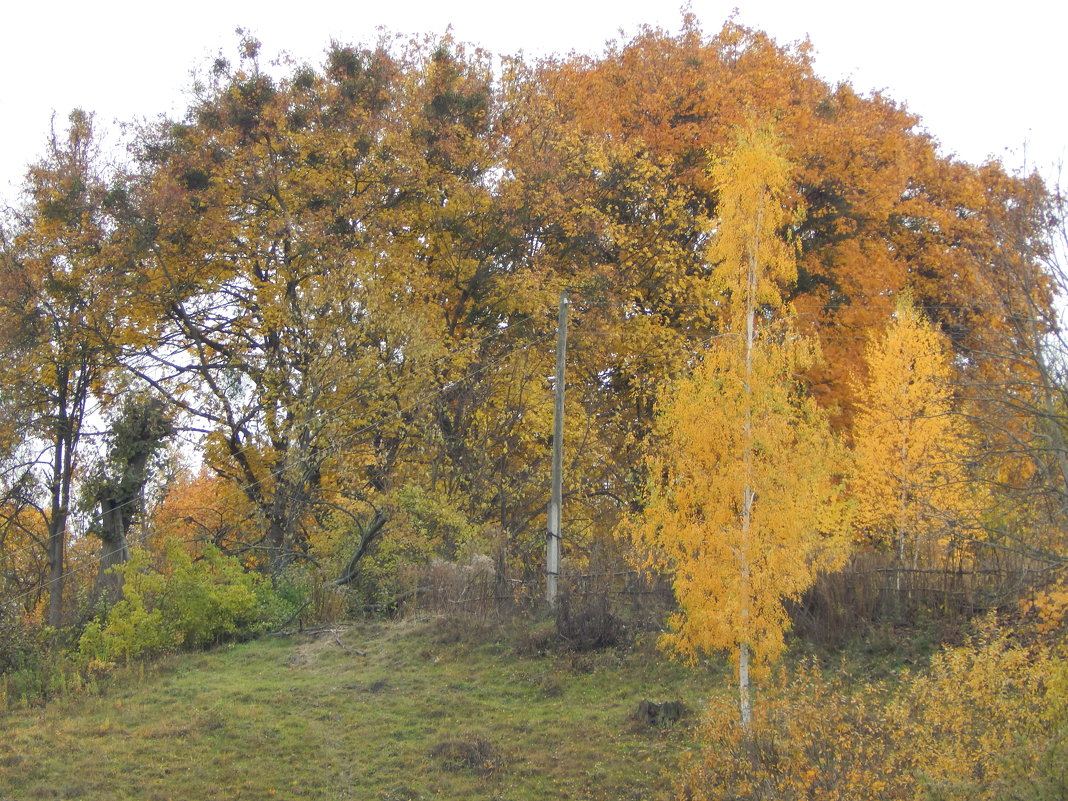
429 710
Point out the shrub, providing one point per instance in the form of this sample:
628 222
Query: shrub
985 721
19 643
586 622
811 737
34 662
183 603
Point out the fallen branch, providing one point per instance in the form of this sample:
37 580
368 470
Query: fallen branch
343 647
280 631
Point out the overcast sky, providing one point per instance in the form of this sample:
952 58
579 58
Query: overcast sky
985 82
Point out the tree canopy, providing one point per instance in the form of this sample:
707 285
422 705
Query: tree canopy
339 284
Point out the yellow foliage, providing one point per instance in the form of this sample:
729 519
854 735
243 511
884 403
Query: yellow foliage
743 502
909 444
1051 607
984 721
204 509
731 585
753 183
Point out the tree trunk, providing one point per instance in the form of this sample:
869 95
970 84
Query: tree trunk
748 493
367 536
139 432
114 550
57 539
745 705
62 467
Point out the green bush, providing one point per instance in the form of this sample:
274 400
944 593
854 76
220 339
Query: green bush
19 643
35 664
181 604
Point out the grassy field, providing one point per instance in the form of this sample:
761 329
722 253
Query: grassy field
415 710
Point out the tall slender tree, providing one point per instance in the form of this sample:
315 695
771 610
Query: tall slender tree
743 500
56 290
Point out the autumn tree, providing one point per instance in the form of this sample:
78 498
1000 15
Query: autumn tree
400 206
606 220
271 217
743 491
885 210
742 516
1016 396
342 278
910 446
606 175
204 509
57 281
323 289
482 451
23 538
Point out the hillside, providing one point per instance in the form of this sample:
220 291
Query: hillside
408 711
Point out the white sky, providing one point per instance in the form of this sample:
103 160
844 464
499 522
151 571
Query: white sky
986 79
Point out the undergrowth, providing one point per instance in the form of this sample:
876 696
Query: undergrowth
181 603
986 719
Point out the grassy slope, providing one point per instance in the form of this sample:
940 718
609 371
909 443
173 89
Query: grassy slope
309 718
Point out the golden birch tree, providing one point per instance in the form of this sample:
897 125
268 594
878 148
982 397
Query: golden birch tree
743 500
909 444
743 510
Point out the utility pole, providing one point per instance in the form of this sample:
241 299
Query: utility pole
552 554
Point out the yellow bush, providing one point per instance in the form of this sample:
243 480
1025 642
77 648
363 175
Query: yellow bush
978 723
986 720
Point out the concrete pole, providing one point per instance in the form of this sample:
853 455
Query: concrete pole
552 556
